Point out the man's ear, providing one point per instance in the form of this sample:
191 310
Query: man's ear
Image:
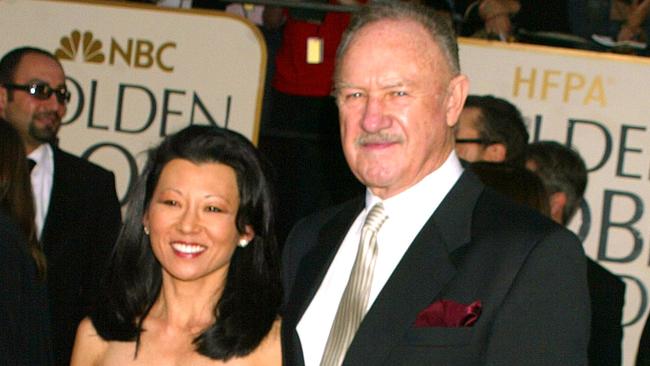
495 153
557 201
456 95
4 99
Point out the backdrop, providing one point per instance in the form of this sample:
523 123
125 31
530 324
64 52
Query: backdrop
138 73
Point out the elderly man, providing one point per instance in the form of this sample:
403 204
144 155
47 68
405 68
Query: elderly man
430 268
491 129
77 211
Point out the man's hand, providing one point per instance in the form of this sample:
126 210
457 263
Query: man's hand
496 16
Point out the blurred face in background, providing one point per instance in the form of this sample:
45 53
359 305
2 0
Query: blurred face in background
37 120
468 144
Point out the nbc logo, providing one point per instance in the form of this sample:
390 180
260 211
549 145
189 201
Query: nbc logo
92 48
137 53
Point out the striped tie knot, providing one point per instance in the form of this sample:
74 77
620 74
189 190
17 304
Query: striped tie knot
376 218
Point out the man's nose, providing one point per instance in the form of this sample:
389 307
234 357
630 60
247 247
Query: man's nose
374 118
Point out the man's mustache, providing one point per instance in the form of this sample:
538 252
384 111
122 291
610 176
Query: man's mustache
379 138
48 114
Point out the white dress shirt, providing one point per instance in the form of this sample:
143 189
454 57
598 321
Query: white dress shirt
42 176
407 213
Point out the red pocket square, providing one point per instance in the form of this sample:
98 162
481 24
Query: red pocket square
450 314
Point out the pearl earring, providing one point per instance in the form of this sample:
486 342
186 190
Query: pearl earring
243 243
146 230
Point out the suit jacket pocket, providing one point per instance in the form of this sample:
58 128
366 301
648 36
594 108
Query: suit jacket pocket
438 336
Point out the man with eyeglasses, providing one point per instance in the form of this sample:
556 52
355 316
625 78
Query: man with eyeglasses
77 210
491 129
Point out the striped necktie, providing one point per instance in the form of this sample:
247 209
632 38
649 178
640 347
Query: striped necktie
354 301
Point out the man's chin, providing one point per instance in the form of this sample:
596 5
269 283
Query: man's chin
45 137
45 134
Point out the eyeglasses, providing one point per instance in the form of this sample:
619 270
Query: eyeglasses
475 141
42 91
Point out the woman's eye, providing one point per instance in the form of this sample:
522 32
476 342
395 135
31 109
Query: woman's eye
170 202
213 209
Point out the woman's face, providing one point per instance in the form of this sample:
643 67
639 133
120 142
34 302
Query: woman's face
191 219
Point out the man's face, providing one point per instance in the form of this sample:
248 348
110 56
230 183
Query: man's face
397 103
467 130
37 120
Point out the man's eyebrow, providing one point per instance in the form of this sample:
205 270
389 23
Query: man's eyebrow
37 80
341 85
387 85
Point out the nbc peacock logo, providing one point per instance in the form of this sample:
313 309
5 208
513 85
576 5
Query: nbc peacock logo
137 53
91 48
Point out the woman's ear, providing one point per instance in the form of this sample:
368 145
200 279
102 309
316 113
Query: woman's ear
246 237
145 222
248 233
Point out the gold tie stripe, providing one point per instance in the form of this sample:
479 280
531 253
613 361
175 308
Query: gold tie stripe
354 301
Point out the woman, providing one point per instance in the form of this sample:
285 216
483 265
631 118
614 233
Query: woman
194 276
24 319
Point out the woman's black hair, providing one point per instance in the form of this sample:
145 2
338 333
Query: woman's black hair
252 294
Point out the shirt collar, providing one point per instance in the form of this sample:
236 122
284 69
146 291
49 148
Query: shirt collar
426 194
42 155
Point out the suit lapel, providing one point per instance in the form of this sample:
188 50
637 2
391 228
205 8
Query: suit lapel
315 264
427 266
56 209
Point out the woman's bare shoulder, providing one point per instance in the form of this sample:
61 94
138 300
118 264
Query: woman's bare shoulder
89 347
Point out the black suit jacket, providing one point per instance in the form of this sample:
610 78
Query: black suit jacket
528 272
643 353
24 320
607 293
82 223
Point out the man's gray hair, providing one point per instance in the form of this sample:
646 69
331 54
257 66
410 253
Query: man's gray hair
562 170
437 26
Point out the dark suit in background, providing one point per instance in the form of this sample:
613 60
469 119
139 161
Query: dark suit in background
643 353
528 272
24 317
81 226
209 4
564 174
607 294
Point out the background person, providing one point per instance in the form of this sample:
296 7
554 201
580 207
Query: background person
565 177
77 211
194 278
300 133
430 268
24 315
491 129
